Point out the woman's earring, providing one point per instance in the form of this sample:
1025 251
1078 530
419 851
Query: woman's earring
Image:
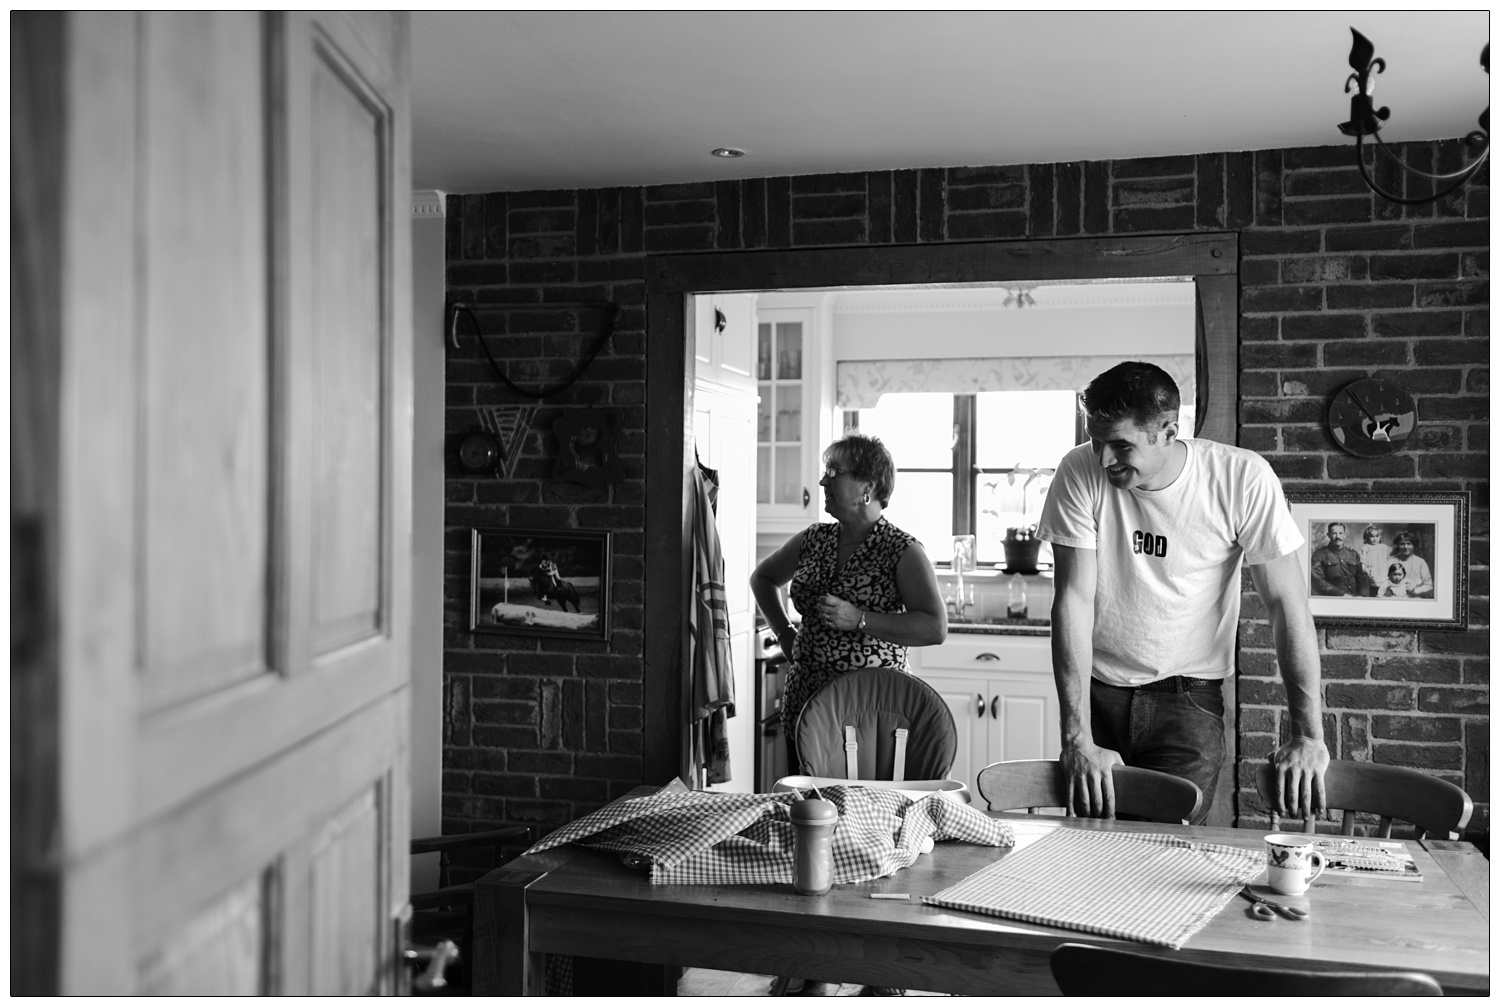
867 497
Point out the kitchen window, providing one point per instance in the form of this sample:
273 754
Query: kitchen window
971 464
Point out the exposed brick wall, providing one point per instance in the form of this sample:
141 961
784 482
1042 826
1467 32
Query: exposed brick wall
1335 284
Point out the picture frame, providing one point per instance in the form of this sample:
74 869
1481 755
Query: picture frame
540 582
1370 578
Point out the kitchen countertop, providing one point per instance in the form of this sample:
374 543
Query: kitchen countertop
1007 627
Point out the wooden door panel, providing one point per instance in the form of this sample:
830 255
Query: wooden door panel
349 336
97 537
320 840
345 880
248 824
205 355
234 654
338 341
253 722
220 951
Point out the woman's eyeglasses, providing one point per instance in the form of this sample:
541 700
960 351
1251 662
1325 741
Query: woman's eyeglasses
832 472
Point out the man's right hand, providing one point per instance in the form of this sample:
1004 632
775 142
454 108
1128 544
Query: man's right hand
1091 788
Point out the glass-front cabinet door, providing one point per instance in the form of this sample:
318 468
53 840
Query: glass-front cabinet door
779 441
787 418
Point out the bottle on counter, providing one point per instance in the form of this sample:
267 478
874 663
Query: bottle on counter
814 821
1016 607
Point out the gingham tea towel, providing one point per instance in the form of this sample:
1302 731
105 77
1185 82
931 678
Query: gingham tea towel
1147 887
695 837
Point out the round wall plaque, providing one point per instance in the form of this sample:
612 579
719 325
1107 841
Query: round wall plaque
478 451
1371 417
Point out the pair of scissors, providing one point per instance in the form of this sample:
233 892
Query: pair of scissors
1265 909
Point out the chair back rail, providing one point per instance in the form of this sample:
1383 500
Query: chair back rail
1041 783
1436 807
1086 970
892 715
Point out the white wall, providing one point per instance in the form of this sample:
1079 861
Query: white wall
428 452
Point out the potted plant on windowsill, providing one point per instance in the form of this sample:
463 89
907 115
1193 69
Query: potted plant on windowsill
1021 547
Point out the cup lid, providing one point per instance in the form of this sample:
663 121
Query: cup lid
814 811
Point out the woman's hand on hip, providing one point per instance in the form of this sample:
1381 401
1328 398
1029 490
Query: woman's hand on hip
781 639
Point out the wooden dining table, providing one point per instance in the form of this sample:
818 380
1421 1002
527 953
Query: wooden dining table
582 902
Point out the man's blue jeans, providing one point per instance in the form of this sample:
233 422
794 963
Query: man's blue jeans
1175 726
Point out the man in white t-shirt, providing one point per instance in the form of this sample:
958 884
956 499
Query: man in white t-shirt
1148 534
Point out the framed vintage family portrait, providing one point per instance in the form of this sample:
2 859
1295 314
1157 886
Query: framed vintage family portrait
539 582
1385 559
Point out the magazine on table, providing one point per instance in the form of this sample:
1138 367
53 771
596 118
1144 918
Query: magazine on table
1367 858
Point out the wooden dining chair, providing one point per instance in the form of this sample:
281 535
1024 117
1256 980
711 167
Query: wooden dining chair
446 914
1086 970
1436 807
1040 783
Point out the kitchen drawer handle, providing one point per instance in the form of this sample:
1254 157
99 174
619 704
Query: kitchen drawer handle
995 708
987 656
980 710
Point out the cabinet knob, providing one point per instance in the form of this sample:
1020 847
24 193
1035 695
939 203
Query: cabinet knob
987 656
806 497
980 709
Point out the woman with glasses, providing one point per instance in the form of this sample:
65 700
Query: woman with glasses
865 589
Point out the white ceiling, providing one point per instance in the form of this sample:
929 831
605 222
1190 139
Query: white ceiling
507 100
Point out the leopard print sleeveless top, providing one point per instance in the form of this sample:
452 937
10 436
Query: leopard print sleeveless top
867 580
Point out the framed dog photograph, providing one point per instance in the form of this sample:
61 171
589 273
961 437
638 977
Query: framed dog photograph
1385 559
540 582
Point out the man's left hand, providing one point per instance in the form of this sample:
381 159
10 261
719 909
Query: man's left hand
1300 765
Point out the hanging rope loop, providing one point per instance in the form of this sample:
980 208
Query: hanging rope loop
606 328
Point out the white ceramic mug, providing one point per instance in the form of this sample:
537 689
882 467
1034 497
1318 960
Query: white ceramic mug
1292 864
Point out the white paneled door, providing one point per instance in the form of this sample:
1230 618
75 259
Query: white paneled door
231 500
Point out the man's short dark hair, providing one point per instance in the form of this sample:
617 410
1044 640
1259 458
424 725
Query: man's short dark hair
1133 390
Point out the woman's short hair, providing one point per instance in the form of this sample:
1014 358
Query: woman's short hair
1406 537
867 460
1133 390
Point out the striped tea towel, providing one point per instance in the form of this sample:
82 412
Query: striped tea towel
1147 887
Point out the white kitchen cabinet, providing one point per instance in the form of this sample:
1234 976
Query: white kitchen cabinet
724 340
793 372
1002 696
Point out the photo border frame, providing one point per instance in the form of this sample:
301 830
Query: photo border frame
1449 514
604 540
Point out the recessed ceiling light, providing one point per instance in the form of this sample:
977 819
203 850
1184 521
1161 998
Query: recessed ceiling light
727 152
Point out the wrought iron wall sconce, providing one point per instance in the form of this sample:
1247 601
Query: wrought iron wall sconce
586 451
1365 120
